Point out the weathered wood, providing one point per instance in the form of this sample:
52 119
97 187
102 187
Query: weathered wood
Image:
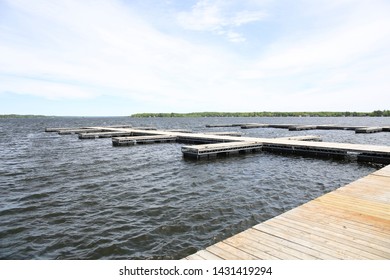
207 150
222 125
373 129
302 127
104 135
58 129
126 141
225 133
253 125
302 138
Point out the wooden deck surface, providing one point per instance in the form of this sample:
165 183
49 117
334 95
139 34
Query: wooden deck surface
352 222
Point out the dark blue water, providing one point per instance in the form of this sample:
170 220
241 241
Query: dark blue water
65 198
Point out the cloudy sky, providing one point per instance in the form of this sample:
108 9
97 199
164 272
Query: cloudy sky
118 57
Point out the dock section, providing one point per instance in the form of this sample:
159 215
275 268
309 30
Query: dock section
352 222
299 127
218 149
134 140
208 145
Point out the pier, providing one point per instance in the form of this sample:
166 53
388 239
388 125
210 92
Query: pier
127 141
299 127
352 222
208 144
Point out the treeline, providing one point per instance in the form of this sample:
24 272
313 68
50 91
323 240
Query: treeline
377 113
15 116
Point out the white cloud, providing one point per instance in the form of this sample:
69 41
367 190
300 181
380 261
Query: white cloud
204 16
220 17
244 17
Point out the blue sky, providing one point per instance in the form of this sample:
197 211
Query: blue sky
102 58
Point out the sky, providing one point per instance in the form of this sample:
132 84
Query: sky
118 57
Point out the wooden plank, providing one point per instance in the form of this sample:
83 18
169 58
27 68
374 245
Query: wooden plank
362 242
367 220
208 255
318 234
246 245
339 226
385 171
278 244
194 257
377 209
271 247
298 238
344 219
229 252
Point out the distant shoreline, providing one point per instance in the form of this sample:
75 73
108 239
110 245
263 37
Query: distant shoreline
377 113
16 116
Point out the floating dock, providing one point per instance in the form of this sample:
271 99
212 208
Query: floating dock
299 127
302 127
253 125
302 138
223 125
368 153
84 135
59 129
128 141
352 222
213 150
368 129
233 144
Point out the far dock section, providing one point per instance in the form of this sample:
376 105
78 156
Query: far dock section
214 150
212 144
350 223
369 129
253 125
302 138
127 141
104 134
299 127
81 129
364 153
223 125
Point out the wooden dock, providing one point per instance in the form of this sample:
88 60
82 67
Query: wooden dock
369 129
214 150
302 138
352 222
253 125
302 127
299 127
134 140
368 153
233 144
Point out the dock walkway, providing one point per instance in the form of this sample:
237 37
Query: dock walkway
232 144
298 127
352 222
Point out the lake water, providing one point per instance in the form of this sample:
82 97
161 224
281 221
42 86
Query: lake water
65 198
